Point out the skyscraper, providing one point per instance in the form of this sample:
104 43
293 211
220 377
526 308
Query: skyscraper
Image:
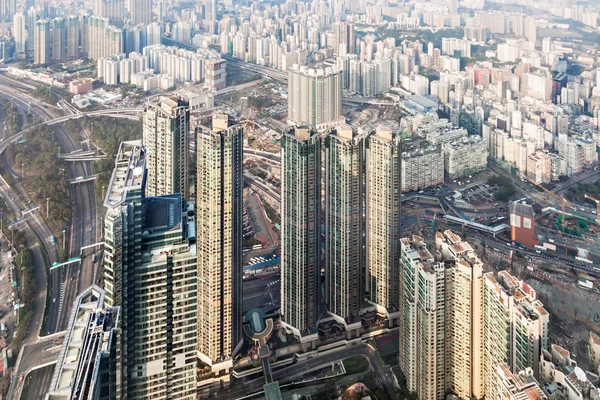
166 134
31 20
344 223
457 325
300 230
111 9
315 97
516 328
141 12
210 14
59 39
20 33
383 219
42 42
219 230
464 317
7 9
73 37
345 38
150 272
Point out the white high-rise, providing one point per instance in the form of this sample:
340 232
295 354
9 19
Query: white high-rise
315 97
20 33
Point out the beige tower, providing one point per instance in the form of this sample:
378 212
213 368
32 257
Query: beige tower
219 230
383 219
166 134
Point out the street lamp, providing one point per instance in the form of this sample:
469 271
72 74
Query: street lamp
64 238
58 151
47 206
22 171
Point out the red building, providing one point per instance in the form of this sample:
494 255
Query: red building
522 224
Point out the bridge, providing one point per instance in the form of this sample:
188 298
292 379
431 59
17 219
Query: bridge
80 155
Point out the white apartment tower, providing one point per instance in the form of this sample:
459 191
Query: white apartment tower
315 96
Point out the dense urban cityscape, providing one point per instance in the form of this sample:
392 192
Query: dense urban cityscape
300 199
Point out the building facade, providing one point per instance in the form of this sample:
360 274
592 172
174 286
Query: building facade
315 97
301 230
42 40
219 230
383 218
344 223
166 136
150 269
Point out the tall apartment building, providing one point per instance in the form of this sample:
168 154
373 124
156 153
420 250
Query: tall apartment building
345 38
87 363
7 9
73 36
141 12
20 33
31 19
111 9
59 39
150 270
463 317
422 165
344 223
383 219
516 328
100 39
219 230
42 40
301 230
315 96
422 307
166 136
215 73
441 318
450 46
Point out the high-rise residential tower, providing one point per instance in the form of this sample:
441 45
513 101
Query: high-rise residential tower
219 230
315 97
150 272
31 20
42 42
141 12
20 33
59 39
463 317
382 197
166 133
344 223
300 230
72 37
516 328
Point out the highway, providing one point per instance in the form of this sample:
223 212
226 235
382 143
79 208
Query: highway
68 281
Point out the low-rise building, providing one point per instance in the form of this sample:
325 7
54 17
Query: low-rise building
465 156
80 86
521 386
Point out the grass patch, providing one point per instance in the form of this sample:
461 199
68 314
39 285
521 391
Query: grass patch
356 364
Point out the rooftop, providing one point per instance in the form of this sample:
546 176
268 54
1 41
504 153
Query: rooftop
129 172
